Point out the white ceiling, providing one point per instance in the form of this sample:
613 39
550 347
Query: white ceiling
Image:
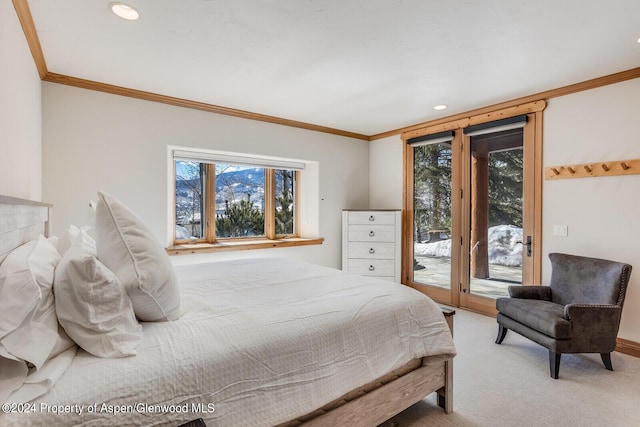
363 66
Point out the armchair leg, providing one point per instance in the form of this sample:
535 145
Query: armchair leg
554 364
606 359
502 332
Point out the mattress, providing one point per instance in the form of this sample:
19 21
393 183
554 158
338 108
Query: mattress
259 342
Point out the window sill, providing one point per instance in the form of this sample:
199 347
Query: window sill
240 245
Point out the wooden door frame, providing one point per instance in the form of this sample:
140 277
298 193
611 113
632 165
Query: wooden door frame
441 295
532 191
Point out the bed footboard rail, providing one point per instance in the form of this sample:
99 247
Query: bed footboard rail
392 398
382 399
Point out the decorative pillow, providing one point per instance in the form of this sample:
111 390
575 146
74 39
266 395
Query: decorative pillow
129 249
29 329
92 306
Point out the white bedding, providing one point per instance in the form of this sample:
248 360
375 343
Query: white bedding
260 342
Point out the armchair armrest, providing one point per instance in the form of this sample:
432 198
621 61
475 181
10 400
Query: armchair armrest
595 326
592 314
530 292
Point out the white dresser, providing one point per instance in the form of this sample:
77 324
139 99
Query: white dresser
371 243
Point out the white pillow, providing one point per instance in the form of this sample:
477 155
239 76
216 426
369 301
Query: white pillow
29 329
19 292
81 237
91 304
19 297
129 249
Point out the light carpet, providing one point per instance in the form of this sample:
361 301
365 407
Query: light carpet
509 385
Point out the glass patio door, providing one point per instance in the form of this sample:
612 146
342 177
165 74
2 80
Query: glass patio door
498 227
495 232
472 211
434 215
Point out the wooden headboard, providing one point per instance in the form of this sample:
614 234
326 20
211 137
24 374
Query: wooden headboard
20 221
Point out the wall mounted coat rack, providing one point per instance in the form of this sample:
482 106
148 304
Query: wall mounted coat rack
587 170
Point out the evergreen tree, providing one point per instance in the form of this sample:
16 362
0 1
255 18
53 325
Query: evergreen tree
240 219
432 194
505 188
432 183
284 202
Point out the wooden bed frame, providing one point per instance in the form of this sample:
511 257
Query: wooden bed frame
24 220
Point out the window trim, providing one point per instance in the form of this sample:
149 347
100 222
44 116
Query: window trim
211 243
203 156
221 246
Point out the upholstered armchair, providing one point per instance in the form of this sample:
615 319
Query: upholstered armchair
579 312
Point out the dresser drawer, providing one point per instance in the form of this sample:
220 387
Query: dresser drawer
371 243
372 250
372 233
373 218
373 267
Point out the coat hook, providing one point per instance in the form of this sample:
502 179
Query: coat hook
570 169
605 167
587 168
624 165
555 171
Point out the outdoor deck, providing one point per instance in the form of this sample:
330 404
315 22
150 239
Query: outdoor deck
437 270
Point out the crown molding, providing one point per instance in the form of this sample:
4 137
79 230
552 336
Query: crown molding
546 95
185 103
28 27
31 34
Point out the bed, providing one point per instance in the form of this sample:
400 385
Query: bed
270 341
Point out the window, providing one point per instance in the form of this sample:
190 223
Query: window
224 198
239 201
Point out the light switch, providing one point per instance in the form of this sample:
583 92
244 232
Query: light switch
560 230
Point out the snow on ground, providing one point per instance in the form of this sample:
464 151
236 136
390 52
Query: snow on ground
503 249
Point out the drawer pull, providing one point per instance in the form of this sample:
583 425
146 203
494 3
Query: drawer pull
372 233
372 218
372 251
371 268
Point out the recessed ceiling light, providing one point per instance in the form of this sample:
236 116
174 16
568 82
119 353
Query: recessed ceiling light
124 11
440 107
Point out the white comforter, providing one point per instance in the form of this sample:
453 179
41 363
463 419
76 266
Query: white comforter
260 342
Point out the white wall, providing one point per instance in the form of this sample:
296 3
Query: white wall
385 173
20 112
602 214
96 141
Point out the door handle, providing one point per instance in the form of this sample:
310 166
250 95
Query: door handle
528 243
